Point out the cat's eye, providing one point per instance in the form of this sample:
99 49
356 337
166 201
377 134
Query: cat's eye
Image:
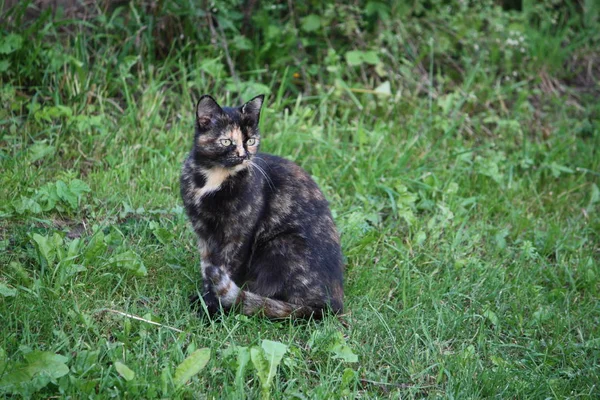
251 142
226 142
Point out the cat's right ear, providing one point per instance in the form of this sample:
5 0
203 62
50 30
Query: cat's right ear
206 111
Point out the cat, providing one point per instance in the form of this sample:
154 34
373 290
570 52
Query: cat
267 240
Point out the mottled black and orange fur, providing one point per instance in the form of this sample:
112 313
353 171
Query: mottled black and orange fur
267 240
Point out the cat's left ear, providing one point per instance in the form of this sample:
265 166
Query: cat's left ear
252 108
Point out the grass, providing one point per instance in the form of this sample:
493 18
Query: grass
467 199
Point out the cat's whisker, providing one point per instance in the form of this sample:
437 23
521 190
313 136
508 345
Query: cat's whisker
263 172
257 168
250 170
263 160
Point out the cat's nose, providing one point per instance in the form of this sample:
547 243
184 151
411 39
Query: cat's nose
242 153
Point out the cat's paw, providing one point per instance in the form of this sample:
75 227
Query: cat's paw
209 300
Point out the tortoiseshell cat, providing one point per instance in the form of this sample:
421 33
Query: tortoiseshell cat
267 241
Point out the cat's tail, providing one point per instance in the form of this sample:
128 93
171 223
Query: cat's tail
231 295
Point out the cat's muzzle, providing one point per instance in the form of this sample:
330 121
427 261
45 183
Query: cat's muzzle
235 161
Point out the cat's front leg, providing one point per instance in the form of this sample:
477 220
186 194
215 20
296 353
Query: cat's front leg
208 296
219 291
225 290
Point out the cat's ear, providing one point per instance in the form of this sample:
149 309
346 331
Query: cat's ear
206 111
252 108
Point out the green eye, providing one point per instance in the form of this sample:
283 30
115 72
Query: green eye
251 142
226 142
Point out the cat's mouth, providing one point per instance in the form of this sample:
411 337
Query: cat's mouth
237 163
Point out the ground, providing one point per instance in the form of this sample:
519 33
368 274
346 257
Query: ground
458 150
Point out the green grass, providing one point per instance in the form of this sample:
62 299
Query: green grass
467 199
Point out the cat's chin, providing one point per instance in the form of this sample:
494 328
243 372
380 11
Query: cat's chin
237 167
240 167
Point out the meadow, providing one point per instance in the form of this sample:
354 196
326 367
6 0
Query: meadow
458 143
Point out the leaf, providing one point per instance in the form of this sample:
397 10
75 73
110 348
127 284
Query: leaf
163 235
491 316
384 89
11 43
40 150
344 352
124 371
65 194
489 167
274 352
212 67
243 357
127 63
130 261
354 58
85 361
241 42
14 378
558 169
340 348
370 57
47 196
193 364
73 269
72 193
20 273
380 70
6 291
78 187
25 204
54 365
261 365
95 247
47 246
53 112
38 369
165 379
311 23
73 249
348 377
267 361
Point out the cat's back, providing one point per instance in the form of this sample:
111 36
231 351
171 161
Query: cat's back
297 212
294 201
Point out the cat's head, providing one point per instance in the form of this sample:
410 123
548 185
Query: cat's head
226 137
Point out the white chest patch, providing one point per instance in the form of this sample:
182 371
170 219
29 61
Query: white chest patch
214 179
